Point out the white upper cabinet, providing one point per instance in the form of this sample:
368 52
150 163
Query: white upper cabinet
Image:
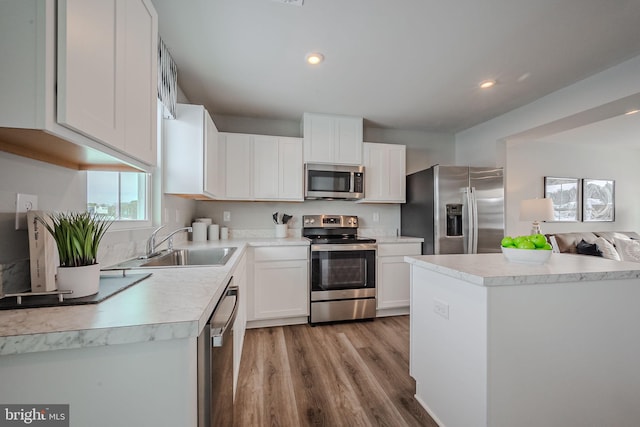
191 153
262 167
79 81
384 172
107 63
238 161
332 139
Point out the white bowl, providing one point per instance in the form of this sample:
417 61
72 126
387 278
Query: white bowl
526 256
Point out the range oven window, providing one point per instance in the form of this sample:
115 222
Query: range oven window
333 270
332 181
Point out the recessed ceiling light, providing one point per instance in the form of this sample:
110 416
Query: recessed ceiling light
315 58
628 113
486 84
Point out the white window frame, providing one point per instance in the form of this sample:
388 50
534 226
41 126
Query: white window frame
127 224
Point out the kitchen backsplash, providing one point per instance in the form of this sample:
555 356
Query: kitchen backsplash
257 217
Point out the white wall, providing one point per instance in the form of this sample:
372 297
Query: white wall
528 162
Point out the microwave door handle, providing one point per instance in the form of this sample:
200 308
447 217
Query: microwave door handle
352 182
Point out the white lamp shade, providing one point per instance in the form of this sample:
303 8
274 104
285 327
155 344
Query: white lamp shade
536 210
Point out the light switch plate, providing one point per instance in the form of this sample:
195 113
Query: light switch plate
24 204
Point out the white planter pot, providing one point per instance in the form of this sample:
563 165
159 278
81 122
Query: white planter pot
83 281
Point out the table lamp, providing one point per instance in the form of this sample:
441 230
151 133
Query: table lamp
536 210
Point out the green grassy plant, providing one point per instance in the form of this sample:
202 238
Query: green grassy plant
77 236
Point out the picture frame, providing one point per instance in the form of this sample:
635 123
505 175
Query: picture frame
598 200
565 195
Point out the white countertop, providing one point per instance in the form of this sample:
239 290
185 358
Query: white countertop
495 270
173 303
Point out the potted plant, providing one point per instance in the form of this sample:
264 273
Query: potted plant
77 236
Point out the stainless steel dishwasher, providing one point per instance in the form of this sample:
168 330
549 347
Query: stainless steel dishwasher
215 363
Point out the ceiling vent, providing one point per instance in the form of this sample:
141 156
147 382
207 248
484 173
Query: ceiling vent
292 2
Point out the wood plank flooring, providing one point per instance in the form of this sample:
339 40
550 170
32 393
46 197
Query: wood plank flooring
345 374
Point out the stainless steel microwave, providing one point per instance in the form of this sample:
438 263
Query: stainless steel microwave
333 182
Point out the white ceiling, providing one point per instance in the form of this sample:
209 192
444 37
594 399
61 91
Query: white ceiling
406 64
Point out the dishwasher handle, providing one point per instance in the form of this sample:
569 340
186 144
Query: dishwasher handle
217 335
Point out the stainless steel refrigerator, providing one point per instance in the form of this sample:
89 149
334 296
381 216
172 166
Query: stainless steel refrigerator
456 209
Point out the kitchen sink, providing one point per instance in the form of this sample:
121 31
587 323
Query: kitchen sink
179 258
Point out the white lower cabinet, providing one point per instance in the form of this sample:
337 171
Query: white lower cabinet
279 291
240 324
393 287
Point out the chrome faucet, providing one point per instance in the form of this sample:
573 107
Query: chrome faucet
152 244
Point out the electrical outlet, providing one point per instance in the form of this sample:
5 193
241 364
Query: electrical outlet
376 217
441 308
24 204
226 217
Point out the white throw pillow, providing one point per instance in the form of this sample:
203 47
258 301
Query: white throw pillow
629 250
607 249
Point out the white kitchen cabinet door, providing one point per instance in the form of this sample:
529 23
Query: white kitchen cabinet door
279 288
266 167
91 85
291 170
385 173
141 80
393 287
238 158
107 73
332 139
190 153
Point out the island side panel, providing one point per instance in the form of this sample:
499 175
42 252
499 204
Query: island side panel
448 353
565 354
143 384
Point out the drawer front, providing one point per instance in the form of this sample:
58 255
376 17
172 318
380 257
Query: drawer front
280 253
399 249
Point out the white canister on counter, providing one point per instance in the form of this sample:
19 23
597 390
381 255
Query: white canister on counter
281 230
224 233
199 231
214 232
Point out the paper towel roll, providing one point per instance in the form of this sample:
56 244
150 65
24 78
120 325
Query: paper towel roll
199 231
214 232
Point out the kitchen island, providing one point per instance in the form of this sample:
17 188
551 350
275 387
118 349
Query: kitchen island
495 343
128 360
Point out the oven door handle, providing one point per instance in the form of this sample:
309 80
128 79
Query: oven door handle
344 247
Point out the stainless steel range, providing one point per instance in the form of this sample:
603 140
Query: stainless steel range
343 269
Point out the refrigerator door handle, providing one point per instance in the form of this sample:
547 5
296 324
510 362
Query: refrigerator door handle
471 231
474 220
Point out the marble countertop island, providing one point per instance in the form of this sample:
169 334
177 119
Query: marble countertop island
495 270
525 345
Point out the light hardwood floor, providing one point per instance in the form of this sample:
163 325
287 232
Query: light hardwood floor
345 374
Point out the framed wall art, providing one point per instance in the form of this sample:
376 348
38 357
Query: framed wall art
565 194
598 200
